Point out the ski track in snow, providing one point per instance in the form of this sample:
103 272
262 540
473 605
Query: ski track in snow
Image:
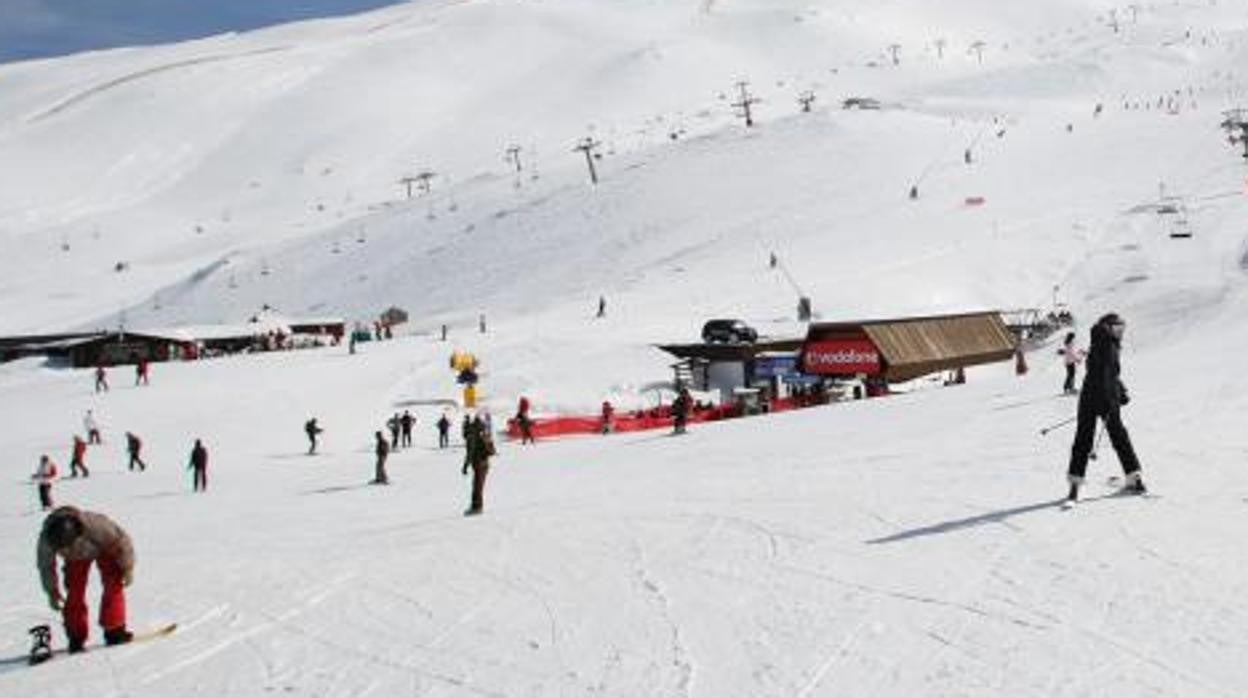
85 94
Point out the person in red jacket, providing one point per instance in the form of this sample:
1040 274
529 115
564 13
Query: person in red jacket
81 538
140 372
78 458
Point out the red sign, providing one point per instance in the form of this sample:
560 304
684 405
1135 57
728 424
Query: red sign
840 357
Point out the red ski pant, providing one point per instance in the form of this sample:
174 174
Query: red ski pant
112 601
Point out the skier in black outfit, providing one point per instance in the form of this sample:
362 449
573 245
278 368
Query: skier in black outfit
311 428
396 427
444 431
405 423
1102 396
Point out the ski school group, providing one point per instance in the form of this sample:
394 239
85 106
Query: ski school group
84 538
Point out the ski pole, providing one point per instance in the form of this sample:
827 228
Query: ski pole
1096 445
1060 424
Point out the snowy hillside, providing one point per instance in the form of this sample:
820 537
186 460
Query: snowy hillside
896 547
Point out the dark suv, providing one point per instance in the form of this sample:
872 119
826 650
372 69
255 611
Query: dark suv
728 331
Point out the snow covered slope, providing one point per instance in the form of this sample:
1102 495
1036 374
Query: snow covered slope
896 547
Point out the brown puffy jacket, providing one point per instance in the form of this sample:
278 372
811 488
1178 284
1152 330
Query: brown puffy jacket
101 538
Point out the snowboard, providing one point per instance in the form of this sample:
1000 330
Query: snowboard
34 659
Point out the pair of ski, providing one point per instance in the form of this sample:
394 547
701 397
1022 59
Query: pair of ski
1120 490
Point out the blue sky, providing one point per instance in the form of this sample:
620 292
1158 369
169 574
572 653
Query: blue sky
44 28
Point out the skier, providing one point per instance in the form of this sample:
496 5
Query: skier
382 450
199 463
1102 396
140 372
80 538
608 411
914 192
1072 356
444 429
311 428
464 430
680 411
133 446
524 422
91 427
480 447
77 458
405 423
101 379
602 306
395 427
44 476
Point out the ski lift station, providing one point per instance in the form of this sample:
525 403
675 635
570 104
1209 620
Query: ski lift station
878 352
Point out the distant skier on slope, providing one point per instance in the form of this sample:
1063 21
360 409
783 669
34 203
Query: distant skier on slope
101 379
524 422
394 424
80 538
381 450
1072 356
78 458
444 431
405 424
1102 396
680 411
92 428
133 446
44 476
311 428
199 463
480 447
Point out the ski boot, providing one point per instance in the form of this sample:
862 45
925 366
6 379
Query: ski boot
41 651
1073 496
1134 484
117 636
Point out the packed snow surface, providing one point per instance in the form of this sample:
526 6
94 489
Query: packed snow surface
894 547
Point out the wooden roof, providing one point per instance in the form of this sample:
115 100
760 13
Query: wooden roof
916 346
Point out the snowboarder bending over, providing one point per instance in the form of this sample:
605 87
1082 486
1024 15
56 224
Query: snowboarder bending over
1102 396
311 428
81 538
199 463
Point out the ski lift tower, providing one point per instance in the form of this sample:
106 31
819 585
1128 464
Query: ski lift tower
804 309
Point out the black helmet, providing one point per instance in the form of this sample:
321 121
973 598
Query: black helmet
62 530
1110 319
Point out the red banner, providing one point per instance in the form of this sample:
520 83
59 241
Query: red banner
841 357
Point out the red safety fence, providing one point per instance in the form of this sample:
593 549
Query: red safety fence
641 420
